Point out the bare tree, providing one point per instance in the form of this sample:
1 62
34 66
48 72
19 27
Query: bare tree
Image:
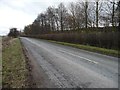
51 13
108 14
62 11
72 9
56 17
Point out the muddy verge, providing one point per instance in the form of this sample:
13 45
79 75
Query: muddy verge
30 83
36 75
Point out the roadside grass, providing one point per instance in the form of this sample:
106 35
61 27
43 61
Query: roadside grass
91 48
13 65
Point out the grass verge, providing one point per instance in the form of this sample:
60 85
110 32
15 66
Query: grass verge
91 48
13 65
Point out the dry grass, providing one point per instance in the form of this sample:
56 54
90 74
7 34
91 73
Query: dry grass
13 62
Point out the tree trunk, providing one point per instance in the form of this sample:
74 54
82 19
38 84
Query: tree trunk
113 11
61 22
97 13
86 16
57 25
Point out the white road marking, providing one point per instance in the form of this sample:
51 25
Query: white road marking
79 56
70 54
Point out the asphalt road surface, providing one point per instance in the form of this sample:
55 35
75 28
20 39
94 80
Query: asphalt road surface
68 67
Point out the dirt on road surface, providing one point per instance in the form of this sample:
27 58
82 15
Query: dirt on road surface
36 78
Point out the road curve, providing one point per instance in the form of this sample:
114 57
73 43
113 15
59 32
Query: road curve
69 67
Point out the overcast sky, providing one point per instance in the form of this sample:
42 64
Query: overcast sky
18 13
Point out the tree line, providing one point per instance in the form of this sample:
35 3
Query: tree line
75 16
89 23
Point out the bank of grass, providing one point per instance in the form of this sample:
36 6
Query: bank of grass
91 48
13 61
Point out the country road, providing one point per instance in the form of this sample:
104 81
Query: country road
68 67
